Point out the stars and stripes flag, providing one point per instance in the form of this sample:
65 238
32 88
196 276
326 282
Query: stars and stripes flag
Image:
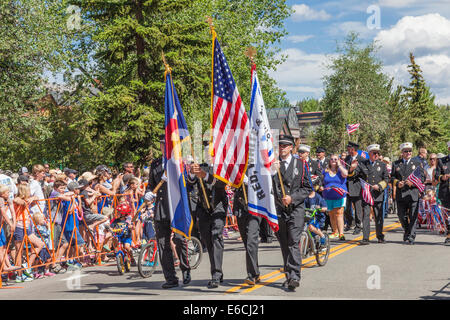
176 132
261 201
352 127
367 196
415 178
229 123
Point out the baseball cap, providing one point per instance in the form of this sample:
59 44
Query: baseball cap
73 185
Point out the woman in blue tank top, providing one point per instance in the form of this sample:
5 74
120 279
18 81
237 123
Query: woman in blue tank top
334 193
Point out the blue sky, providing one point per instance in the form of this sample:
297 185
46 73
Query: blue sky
422 27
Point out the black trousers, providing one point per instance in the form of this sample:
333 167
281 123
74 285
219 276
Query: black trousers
358 211
407 213
211 230
249 229
265 232
378 212
163 235
288 236
365 219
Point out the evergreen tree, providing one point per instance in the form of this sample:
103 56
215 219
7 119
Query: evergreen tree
424 123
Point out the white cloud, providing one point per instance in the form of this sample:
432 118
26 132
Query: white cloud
339 29
301 75
421 35
397 3
304 13
298 39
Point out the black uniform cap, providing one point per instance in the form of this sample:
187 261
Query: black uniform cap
320 149
353 145
286 139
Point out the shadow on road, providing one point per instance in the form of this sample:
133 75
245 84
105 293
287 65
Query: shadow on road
442 294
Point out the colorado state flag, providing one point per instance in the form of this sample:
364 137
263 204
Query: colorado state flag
176 133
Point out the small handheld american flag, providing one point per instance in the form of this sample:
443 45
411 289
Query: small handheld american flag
415 179
367 196
352 127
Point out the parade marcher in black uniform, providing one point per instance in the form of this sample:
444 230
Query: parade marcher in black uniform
354 196
314 168
407 195
376 174
322 159
443 175
249 226
163 227
265 232
290 209
212 219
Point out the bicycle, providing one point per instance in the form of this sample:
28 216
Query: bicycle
195 252
123 258
309 245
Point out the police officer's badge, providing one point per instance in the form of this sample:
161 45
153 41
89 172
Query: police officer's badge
378 169
296 171
413 167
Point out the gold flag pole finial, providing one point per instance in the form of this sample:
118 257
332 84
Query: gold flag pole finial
166 65
250 52
209 20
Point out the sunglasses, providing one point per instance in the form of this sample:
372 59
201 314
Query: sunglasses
375 152
407 151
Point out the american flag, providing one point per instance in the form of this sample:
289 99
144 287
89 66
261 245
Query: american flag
367 196
415 178
340 191
229 123
352 127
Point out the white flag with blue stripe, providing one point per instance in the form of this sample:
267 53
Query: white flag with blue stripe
261 201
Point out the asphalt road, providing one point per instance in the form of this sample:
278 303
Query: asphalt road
377 271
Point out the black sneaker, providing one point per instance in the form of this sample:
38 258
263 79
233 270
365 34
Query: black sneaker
186 277
214 283
293 284
364 242
169 285
447 242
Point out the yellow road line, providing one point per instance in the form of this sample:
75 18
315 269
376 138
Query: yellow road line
307 262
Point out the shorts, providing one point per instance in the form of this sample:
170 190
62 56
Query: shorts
3 241
93 217
19 233
70 235
333 204
149 232
57 235
125 240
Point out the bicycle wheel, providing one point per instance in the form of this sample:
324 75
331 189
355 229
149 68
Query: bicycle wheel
303 245
148 259
127 263
194 253
323 251
120 263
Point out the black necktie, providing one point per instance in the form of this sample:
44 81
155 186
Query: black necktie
283 166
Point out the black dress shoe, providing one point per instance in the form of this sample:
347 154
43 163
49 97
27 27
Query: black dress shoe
346 228
214 283
285 284
170 284
250 281
357 231
186 276
364 242
447 242
292 284
381 241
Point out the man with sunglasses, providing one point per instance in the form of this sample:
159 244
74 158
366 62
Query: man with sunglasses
377 176
407 195
443 175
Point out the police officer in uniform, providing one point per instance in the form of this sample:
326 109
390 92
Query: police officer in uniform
377 175
322 159
443 175
163 227
354 196
249 226
212 218
407 195
290 208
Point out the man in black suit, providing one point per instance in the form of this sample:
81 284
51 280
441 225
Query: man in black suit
443 175
408 194
377 176
354 196
212 216
296 181
249 228
322 159
163 228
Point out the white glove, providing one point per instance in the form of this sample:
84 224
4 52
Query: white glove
149 196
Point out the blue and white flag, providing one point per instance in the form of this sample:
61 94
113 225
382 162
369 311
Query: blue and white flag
176 133
261 201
